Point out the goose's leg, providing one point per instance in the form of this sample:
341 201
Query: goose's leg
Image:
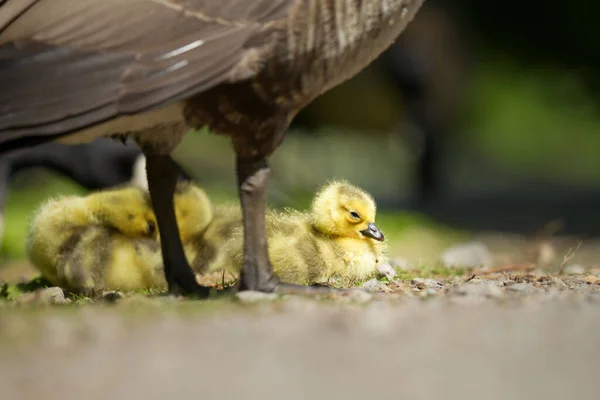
257 271
163 173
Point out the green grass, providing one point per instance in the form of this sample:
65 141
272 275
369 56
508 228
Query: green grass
539 121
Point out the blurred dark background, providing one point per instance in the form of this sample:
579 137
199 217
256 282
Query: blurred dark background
483 117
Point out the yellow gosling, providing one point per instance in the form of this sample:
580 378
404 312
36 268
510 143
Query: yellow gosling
107 240
337 237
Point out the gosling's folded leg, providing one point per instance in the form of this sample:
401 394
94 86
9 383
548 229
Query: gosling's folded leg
163 173
257 271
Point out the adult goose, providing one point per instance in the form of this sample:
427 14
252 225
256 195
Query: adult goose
74 70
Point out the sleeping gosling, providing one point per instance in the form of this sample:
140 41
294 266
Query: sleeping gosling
108 240
337 237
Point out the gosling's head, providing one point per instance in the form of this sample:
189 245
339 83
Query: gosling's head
193 209
342 209
126 208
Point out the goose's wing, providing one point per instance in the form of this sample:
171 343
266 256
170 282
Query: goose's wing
68 64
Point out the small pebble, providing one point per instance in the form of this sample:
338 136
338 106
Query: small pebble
386 270
400 263
433 284
111 295
574 270
479 289
559 283
418 281
473 254
373 285
45 296
421 283
52 295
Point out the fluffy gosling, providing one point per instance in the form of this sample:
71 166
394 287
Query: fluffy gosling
108 240
337 237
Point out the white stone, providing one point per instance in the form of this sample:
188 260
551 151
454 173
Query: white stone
385 269
473 254
575 269
372 285
400 263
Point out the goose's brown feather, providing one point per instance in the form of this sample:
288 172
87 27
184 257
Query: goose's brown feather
94 60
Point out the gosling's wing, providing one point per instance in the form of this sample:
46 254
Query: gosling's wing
69 64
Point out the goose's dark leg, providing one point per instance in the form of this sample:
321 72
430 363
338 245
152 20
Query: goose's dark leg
257 272
163 173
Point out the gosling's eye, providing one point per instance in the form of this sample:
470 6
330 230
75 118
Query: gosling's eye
151 227
354 215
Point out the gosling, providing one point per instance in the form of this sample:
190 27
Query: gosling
108 240
337 237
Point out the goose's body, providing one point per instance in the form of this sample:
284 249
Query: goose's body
107 240
78 69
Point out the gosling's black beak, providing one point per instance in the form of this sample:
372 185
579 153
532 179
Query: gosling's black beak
373 232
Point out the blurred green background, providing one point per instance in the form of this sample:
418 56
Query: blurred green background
512 91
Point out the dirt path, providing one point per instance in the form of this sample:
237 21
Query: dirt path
461 344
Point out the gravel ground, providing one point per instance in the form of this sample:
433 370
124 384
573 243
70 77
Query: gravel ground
501 336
